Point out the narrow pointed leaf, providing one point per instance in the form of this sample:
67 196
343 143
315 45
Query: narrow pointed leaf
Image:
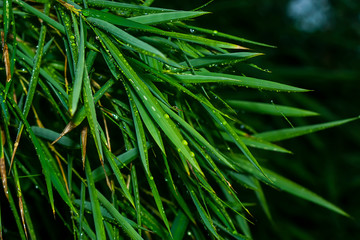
91 114
157 18
236 139
151 104
220 34
126 6
129 39
179 226
282 134
79 72
110 157
140 133
210 77
95 205
221 59
290 186
51 135
270 109
128 229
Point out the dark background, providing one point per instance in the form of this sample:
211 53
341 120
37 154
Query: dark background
318 48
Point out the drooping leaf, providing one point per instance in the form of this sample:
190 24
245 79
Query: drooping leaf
157 18
271 109
211 77
288 186
282 134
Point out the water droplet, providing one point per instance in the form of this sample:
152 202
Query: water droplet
179 150
151 178
189 233
166 116
192 154
192 30
184 142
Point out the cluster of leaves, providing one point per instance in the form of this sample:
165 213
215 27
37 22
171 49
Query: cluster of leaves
165 151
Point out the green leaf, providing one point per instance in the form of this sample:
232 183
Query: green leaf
179 226
79 72
151 103
91 114
128 229
288 186
220 34
140 133
204 215
135 186
126 6
270 109
41 15
51 135
211 77
121 161
230 130
95 205
7 17
197 135
220 59
115 19
129 39
157 18
111 159
262 144
282 134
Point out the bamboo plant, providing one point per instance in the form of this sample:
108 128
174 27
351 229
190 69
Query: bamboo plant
114 115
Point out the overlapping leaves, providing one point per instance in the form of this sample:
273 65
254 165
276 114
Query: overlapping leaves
156 162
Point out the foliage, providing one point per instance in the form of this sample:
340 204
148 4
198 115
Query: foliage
127 127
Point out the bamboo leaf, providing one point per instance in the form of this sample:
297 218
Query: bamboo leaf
230 130
197 135
130 231
220 34
203 214
125 6
140 133
221 59
135 186
179 226
210 77
52 135
288 186
157 18
287 133
270 109
95 196
151 104
110 157
129 39
91 115
79 73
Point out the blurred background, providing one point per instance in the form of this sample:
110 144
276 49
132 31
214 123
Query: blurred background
317 47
